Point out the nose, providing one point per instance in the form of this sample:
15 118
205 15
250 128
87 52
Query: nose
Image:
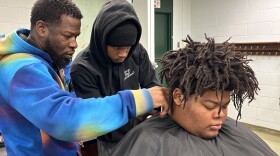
123 53
73 44
221 114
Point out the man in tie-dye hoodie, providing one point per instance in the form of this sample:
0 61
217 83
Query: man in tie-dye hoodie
37 117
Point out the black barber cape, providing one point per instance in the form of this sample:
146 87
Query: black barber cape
163 137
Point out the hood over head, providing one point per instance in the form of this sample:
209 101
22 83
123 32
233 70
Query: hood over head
7 43
13 43
114 15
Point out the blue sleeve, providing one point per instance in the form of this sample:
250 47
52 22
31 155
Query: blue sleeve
35 94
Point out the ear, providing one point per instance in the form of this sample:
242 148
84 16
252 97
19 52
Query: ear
177 96
41 28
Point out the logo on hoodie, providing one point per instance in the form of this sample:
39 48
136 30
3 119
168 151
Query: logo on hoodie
128 73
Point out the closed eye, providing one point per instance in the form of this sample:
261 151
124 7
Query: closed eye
209 105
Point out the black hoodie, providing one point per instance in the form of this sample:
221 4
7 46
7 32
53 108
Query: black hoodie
93 74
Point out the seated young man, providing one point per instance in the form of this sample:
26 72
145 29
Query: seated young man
203 79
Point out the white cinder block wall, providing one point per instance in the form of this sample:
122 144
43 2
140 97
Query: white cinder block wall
246 21
14 14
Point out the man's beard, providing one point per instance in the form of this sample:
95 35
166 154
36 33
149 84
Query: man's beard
60 63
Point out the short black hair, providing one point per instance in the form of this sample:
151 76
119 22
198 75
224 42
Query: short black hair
201 67
51 11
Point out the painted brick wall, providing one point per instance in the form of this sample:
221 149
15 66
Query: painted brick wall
89 9
14 14
246 21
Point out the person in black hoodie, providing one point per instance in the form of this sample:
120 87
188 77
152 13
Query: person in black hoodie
113 61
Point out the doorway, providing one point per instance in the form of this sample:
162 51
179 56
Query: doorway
163 29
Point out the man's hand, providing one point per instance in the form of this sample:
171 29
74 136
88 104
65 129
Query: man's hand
159 96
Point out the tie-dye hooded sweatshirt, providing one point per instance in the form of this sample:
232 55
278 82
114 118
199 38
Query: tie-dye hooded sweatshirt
37 117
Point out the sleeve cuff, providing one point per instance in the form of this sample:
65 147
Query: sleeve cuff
143 101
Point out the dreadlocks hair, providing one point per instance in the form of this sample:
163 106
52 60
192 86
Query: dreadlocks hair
51 11
210 66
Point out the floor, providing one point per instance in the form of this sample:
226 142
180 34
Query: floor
271 137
